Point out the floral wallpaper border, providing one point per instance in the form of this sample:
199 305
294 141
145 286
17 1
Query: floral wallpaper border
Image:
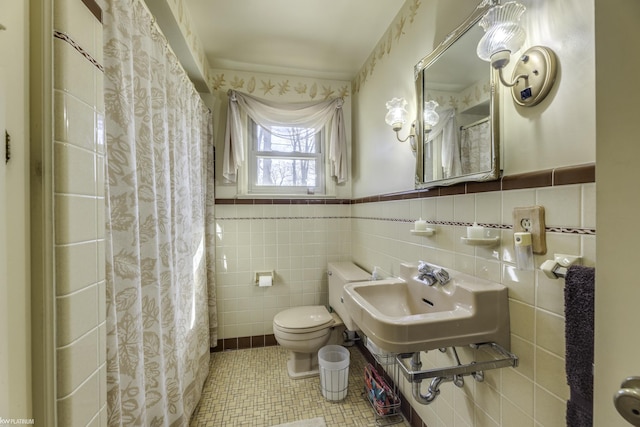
281 86
271 85
181 13
467 98
384 47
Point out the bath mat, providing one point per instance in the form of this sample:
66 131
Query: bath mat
314 422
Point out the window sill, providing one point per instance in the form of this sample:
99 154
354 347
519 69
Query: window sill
285 196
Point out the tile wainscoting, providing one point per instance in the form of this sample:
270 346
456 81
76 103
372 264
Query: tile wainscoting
298 237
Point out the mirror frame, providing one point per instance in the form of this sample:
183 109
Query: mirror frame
494 106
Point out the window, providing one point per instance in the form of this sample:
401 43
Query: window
274 148
286 160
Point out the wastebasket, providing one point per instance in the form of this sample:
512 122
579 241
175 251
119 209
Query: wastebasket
334 371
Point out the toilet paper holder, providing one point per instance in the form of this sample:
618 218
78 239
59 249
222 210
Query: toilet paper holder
265 274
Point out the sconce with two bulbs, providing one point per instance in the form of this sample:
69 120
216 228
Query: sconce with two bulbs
397 116
535 73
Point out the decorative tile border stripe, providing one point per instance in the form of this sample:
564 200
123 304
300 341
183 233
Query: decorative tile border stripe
563 230
246 218
585 231
65 37
94 9
241 343
283 201
581 174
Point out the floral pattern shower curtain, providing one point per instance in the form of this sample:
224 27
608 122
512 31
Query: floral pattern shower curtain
158 203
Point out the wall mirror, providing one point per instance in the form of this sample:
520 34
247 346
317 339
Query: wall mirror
464 144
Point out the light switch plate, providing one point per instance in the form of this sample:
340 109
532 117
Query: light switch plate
531 219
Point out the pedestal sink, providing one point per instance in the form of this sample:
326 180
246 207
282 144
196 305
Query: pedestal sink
405 314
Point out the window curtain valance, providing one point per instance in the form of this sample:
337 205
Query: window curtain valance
311 115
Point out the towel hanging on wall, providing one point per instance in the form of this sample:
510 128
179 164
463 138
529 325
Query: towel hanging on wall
579 292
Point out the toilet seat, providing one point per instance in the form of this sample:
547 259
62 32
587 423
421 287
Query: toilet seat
303 320
301 336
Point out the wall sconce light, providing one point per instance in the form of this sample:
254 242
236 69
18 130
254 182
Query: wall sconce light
535 73
397 116
430 116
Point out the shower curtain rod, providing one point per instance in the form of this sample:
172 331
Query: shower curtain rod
476 123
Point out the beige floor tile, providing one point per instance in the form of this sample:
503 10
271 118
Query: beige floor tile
252 388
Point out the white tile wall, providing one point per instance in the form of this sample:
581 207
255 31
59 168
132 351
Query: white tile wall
536 391
79 218
295 241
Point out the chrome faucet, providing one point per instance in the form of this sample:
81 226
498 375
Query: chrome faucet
431 274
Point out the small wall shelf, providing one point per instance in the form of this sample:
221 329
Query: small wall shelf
425 232
484 241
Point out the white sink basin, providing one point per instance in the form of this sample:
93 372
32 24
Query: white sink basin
406 315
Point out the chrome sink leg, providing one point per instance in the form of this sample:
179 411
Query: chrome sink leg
416 363
410 366
458 381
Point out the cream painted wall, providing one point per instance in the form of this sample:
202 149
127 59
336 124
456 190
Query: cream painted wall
15 339
617 352
4 288
558 132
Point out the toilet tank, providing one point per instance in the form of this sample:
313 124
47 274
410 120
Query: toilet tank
341 273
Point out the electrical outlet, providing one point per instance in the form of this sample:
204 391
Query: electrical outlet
531 220
527 224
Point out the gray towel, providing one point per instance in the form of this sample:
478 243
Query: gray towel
579 292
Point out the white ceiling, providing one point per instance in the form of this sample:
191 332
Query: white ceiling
315 38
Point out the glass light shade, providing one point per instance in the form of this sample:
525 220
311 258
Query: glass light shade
397 113
502 32
430 116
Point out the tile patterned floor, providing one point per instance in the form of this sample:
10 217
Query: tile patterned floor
252 388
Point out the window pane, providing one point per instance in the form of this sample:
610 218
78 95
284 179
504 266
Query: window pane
286 172
287 140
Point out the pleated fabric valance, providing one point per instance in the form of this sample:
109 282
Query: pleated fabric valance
269 114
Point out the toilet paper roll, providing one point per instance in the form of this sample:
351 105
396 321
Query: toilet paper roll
265 281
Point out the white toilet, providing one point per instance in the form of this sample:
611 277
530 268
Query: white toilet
304 330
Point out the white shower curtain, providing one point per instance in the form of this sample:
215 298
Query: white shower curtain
445 135
157 249
475 145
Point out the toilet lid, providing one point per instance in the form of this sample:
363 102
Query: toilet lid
306 317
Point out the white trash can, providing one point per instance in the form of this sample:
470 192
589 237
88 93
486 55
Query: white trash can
334 371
